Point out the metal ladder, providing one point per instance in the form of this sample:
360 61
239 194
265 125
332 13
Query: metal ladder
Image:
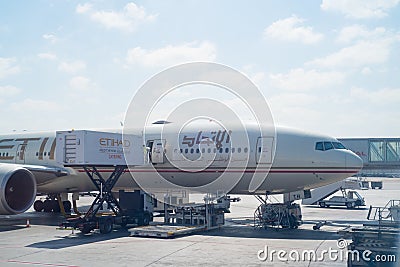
70 148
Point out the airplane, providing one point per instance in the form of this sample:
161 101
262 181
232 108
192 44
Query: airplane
302 160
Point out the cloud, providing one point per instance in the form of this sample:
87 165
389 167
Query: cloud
291 29
366 71
357 32
360 9
9 90
48 56
382 96
305 80
80 83
72 67
360 54
50 37
8 67
293 99
84 8
296 110
32 105
170 55
257 77
127 20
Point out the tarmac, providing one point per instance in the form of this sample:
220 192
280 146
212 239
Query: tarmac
237 243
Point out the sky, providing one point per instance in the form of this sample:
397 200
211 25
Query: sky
329 66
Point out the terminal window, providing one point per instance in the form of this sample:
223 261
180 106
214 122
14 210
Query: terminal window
376 149
393 151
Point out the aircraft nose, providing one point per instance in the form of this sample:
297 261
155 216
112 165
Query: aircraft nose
353 161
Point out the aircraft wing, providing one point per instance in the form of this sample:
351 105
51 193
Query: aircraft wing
44 174
38 169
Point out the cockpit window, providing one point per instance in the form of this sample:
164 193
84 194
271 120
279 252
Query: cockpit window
319 146
328 145
323 146
338 145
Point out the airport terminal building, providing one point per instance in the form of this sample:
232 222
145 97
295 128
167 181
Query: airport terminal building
381 156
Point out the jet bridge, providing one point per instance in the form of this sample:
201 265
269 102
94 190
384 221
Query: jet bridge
92 149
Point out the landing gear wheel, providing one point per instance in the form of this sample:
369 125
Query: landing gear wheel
350 205
146 219
56 206
322 204
47 205
67 206
85 230
123 224
106 226
293 222
38 205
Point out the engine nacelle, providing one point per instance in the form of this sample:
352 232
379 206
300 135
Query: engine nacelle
17 189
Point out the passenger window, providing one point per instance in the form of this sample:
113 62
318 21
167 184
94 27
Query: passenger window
191 151
186 150
215 150
319 146
328 145
209 150
233 150
197 150
181 150
227 150
203 150
239 150
220 150
259 149
245 150
37 154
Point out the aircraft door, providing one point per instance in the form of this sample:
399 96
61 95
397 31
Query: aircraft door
157 151
21 153
264 150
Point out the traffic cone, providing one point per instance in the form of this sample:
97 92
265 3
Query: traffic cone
27 223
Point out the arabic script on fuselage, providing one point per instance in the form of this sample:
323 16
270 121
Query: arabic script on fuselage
208 138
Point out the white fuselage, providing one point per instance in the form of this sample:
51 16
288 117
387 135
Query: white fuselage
297 164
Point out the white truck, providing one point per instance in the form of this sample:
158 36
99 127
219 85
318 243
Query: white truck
351 199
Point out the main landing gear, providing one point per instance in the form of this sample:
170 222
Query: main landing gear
52 203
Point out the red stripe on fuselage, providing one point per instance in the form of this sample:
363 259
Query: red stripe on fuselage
235 171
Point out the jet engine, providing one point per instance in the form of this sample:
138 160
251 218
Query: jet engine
17 189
